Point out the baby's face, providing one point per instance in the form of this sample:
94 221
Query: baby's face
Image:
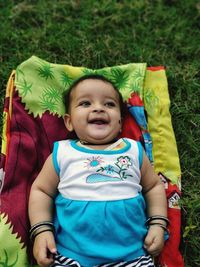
94 112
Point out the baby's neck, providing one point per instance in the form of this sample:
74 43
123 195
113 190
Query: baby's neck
96 146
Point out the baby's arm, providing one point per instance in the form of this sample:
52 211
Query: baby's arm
155 196
41 202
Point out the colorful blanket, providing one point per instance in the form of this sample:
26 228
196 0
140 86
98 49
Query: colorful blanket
32 121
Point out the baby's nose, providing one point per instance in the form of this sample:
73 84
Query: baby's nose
98 108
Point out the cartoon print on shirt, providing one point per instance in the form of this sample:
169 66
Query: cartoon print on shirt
93 162
108 173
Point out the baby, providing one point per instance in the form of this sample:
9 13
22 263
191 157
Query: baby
97 200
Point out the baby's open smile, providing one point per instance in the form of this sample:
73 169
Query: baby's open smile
98 120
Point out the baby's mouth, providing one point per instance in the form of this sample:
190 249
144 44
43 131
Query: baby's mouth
98 121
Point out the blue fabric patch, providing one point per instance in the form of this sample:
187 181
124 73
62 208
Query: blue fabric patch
140 149
54 156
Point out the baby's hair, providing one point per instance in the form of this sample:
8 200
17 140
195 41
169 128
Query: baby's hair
67 94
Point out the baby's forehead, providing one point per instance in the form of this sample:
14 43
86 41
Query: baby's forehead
91 82
94 87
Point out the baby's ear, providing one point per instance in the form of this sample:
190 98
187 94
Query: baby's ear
68 122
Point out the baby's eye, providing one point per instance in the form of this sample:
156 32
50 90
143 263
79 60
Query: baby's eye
84 103
110 104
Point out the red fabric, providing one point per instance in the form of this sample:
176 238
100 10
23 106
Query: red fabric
171 256
30 143
131 129
135 100
156 68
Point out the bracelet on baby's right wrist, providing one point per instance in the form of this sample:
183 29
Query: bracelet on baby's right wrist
160 225
155 220
39 228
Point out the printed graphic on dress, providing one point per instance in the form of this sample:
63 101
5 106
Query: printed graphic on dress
108 173
93 162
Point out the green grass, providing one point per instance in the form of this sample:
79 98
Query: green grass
105 33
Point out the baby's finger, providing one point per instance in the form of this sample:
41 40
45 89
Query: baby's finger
148 241
52 247
154 249
42 259
155 253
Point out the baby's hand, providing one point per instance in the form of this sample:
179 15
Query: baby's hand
44 248
154 240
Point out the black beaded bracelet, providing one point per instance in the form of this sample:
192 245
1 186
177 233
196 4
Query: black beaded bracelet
39 228
157 217
38 225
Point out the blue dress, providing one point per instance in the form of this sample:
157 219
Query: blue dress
100 212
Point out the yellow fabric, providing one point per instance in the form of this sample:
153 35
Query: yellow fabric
165 152
7 113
